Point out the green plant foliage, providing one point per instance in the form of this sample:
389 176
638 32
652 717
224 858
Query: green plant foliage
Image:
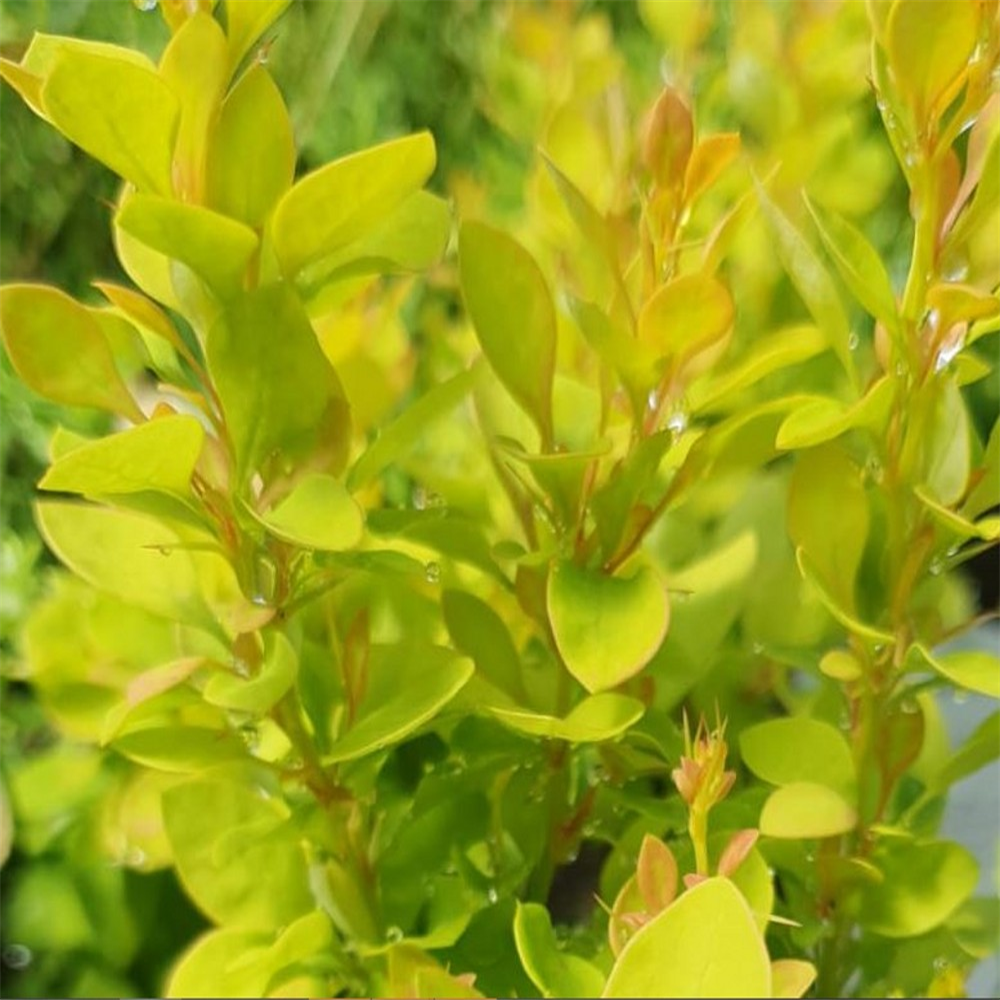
462 508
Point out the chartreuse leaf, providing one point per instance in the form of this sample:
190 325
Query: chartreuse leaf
339 203
821 419
58 349
411 239
181 749
928 43
263 885
606 628
972 669
246 21
684 317
810 278
257 694
215 247
828 518
395 439
128 555
319 513
206 968
511 309
923 884
253 127
553 971
805 810
278 393
985 493
118 112
596 719
858 262
408 686
158 455
783 751
987 528
936 453
771 354
145 315
705 944
791 977
194 66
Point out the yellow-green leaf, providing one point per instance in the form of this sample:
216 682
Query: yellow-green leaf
246 21
121 114
606 628
257 694
512 312
555 973
58 349
253 127
339 203
158 455
684 317
319 513
805 810
783 751
596 719
706 944
791 977
928 44
215 247
972 669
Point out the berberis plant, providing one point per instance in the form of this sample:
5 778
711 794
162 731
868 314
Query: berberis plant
627 580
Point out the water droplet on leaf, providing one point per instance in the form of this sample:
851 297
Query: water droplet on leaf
492 895
853 341
17 956
677 424
394 934
432 572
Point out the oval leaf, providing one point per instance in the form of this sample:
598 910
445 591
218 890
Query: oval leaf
783 751
705 945
58 349
606 628
319 513
553 971
805 810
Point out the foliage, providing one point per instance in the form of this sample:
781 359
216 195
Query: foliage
368 639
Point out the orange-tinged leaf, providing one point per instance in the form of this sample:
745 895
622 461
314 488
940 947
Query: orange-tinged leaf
708 161
791 977
656 874
58 349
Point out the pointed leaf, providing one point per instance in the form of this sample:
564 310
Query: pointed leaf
972 669
596 719
425 680
606 628
180 749
339 203
704 945
58 349
656 874
121 114
511 309
791 977
253 127
246 21
810 278
858 262
158 455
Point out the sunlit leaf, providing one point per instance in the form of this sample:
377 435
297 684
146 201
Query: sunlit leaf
791 977
972 669
596 719
704 945
184 749
276 675
158 455
319 513
804 810
337 204
246 21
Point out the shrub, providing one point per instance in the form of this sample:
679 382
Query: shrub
385 650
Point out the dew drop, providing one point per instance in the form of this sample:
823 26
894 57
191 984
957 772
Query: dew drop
419 498
900 369
135 857
946 355
432 572
260 600
941 963
146 5
935 567
959 697
17 956
394 934
678 422
758 648
933 320
653 401
909 706
240 667
873 469
492 895
250 736
853 341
